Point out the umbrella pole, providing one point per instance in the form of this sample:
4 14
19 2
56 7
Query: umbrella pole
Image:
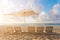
24 19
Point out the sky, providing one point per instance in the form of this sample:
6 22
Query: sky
48 10
48 4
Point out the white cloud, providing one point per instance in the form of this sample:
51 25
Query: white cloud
55 8
42 17
54 14
9 6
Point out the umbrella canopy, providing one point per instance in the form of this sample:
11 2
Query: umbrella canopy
24 13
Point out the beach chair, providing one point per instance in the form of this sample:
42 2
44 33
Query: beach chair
10 30
40 29
1 32
31 29
49 29
18 29
49 32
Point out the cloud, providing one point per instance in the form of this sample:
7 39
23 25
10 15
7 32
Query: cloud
42 17
55 8
9 6
54 14
6 7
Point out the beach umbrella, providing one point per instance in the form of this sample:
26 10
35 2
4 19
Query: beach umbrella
25 13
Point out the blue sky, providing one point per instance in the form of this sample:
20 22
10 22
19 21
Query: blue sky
48 4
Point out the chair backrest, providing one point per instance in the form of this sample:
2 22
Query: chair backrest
40 29
1 32
49 29
31 29
10 29
18 29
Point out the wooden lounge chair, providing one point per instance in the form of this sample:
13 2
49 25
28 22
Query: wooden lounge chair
40 29
18 29
49 29
31 29
10 30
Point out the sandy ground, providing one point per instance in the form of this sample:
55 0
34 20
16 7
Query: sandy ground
56 29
